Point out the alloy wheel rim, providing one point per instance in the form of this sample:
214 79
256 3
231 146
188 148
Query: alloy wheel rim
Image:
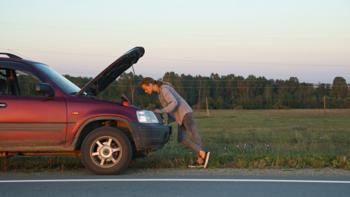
106 151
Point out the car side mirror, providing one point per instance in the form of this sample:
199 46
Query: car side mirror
45 88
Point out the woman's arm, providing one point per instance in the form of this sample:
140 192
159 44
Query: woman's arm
170 99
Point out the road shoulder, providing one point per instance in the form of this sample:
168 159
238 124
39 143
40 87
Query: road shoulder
328 173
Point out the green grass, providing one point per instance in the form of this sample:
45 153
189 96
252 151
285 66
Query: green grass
264 138
243 139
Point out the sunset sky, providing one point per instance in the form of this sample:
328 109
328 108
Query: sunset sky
308 39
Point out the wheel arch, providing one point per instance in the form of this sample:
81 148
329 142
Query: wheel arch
113 121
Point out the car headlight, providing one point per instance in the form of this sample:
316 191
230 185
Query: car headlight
145 116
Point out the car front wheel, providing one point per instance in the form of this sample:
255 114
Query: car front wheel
106 150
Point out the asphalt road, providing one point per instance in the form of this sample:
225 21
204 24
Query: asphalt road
178 182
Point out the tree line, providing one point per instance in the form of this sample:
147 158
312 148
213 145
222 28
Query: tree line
232 92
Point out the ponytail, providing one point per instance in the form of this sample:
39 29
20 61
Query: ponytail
160 83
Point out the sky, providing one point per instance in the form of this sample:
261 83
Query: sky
277 39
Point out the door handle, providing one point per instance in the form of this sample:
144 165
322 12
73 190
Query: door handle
3 105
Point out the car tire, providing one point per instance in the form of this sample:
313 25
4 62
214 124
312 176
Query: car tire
106 150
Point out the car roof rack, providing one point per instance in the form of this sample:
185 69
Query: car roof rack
11 55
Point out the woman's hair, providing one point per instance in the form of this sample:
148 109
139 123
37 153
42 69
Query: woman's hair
148 80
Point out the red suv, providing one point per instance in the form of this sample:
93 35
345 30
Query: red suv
41 112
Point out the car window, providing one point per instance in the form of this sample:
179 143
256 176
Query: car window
26 83
17 83
3 82
60 81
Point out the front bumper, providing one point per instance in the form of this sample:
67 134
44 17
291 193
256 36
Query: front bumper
152 136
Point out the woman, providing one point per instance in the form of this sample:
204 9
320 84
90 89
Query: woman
175 106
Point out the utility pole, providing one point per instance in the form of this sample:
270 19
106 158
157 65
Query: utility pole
324 103
206 101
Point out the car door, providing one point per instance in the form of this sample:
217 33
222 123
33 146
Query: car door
26 117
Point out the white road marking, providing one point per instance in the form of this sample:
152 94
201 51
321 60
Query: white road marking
175 180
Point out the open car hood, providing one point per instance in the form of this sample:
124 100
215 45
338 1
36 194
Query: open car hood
108 75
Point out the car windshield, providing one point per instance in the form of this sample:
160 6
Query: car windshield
63 83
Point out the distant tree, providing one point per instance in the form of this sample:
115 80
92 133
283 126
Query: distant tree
189 87
230 91
292 86
323 92
268 94
281 99
175 81
79 81
339 88
203 91
127 85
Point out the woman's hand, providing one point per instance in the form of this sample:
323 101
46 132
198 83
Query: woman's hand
158 111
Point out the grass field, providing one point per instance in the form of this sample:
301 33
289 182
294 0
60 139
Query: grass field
245 139
265 138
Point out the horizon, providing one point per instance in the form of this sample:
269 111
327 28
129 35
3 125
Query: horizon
274 39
